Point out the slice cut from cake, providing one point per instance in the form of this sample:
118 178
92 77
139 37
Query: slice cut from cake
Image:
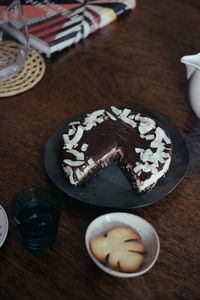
137 143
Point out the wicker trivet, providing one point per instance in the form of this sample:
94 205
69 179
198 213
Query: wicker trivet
30 74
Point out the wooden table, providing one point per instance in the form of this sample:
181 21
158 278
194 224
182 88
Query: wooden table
134 61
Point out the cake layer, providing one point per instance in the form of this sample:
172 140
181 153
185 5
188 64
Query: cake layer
136 142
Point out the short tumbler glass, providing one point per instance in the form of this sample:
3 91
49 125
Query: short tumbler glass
36 212
14 39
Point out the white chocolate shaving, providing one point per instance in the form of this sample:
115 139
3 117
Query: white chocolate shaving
79 174
87 169
139 150
74 123
89 126
71 131
147 120
154 158
77 154
92 119
149 137
144 128
137 117
161 135
72 163
100 120
165 155
91 162
65 138
116 111
84 147
97 113
128 121
111 116
72 143
146 155
147 167
137 168
68 170
125 112
156 144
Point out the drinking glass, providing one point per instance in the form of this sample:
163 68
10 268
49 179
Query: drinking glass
14 40
36 211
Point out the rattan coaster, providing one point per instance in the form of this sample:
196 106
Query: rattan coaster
31 73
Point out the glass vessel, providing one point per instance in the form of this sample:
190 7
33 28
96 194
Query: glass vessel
14 39
37 211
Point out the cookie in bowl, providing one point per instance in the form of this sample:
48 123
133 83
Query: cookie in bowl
122 244
120 248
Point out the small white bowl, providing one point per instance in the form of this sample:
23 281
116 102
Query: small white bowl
148 235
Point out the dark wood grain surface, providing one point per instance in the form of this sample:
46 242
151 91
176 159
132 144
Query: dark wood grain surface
132 62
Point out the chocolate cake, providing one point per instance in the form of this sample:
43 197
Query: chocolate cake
137 143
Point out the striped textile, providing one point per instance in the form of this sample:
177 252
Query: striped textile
55 26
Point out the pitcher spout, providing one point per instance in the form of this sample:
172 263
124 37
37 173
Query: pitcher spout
192 63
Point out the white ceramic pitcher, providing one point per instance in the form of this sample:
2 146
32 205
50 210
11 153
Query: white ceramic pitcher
192 63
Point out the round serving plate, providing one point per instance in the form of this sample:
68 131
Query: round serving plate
110 188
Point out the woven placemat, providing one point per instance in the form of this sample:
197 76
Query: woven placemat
30 74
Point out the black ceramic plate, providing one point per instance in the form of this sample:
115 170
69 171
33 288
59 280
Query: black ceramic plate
110 188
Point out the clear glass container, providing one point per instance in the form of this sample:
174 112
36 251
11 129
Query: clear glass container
14 39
